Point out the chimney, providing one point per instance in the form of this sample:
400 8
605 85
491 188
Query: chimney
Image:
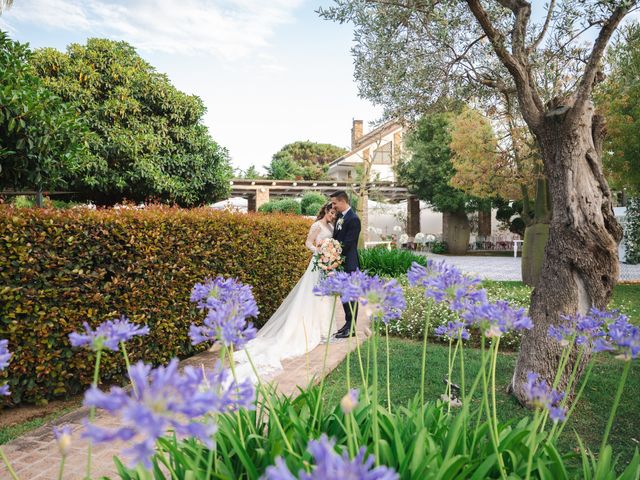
356 133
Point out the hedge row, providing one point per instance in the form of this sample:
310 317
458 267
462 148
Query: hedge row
60 268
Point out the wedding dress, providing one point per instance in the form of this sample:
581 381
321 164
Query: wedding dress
299 324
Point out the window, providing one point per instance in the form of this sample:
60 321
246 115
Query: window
382 155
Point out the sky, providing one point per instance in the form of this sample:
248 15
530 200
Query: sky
270 72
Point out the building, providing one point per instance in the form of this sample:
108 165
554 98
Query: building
383 145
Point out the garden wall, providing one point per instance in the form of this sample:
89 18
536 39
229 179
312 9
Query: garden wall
60 268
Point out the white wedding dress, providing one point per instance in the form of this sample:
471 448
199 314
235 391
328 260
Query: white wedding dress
301 322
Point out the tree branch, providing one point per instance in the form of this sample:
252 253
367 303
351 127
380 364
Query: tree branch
545 27
529 99
588 78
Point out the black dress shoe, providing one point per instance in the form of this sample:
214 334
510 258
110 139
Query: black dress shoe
345 334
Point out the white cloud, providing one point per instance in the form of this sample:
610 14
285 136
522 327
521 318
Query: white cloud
227 29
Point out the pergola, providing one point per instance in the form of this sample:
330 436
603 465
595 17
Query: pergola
258 192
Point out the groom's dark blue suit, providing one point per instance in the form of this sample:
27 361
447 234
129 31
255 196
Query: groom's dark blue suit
347 232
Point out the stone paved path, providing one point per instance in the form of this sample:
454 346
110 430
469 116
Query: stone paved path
35 456
508 268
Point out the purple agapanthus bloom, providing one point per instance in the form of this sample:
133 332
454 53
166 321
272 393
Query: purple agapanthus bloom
226 324
496 319
540 395
163 399
108 335
621 337
579 329
332 285
452 330
221 291
355 285
445 283
382 299
330 465
5 354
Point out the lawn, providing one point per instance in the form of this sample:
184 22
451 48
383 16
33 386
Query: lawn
589 418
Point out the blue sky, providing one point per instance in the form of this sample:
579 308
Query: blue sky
269 71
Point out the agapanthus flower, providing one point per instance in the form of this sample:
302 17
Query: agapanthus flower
452 330
5 355
355 285
350 401
226 324
540 395
108 335
382 299
330 465
446 283
621 337
579 329
332 285
496 319
166 399
222 291
63 439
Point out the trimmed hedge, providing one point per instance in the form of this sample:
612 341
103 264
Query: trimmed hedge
59 268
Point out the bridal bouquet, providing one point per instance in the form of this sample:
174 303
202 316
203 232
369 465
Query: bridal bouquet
329 256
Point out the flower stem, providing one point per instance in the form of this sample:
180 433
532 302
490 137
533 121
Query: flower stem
92 410
616 403
374 400
532 436
324 364
8 465
128 364
386 331
577 398
61 471
427 322
233 372
493 386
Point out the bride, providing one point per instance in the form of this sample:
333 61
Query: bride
300 323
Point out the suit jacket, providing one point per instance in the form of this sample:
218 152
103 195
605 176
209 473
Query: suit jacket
347 234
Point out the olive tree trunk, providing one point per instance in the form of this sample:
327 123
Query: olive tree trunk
580 266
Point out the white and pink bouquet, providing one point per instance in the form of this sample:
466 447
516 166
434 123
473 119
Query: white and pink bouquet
328 256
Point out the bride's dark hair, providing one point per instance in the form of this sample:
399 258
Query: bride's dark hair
323 211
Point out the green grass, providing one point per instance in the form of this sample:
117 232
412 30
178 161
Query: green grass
589 418
14 431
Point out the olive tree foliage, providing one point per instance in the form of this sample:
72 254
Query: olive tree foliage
149 139
411 55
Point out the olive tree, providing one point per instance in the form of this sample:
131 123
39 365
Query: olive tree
410 55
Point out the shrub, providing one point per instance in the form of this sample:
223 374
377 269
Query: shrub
388 263
439 247
287 205
314 209
59 268
267 207
312 202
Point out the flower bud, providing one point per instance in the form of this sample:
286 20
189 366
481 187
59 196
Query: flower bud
350 401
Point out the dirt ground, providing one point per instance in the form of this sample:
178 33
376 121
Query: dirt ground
24 413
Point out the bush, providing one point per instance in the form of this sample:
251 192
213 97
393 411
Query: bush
267 207
314 209
287 205
312 202
388 263
59 268
439 247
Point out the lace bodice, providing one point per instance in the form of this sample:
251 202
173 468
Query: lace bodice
318 232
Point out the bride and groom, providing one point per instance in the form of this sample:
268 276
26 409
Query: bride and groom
303 319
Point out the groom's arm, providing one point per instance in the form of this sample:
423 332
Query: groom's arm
352 235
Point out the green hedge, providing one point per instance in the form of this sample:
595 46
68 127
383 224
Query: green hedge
388 263
59 268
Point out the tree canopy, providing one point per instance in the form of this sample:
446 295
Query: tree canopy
619 100
429 170
303 160
42 139
149 138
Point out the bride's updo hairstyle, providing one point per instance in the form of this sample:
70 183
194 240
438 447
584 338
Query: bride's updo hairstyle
323 211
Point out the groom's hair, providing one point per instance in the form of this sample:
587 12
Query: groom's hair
340 195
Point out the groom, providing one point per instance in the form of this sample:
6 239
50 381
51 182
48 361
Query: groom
347 232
